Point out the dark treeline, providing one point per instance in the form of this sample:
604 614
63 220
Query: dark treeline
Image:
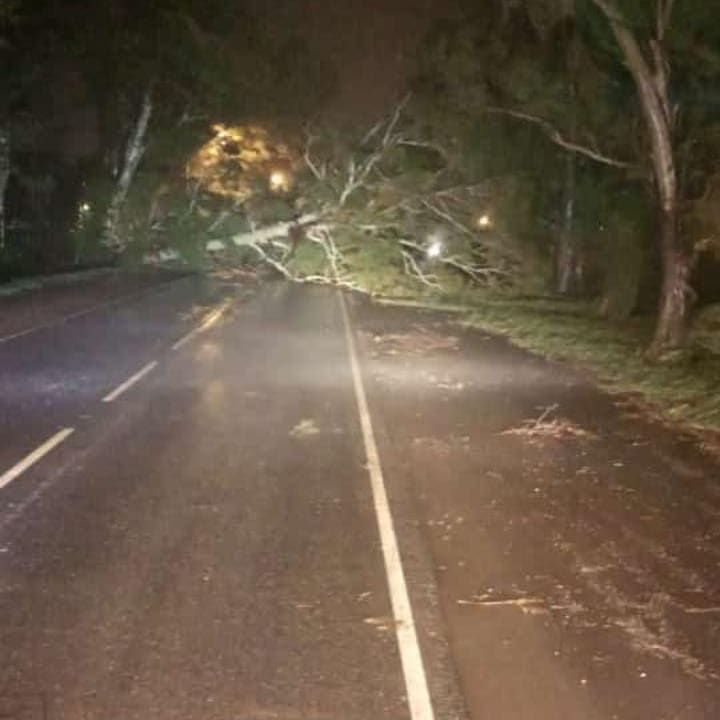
592 127
89 86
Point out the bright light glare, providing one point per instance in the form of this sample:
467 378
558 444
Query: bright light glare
484 221
434 250
279 181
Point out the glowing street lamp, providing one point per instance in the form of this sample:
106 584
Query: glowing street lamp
484 222
434 249
279 181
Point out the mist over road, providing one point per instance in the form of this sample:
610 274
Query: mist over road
220 506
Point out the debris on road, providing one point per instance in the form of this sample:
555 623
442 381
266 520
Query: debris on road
557 428
382 623
528 605
305 428
417 341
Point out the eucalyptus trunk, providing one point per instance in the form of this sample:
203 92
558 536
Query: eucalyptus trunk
568 261
134 152
4 178
650 73
676 296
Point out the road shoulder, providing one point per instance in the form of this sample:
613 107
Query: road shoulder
573 542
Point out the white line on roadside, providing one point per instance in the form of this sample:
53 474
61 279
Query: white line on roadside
139 375
28 461
416 684
206 324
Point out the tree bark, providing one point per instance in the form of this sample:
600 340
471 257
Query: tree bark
676 295
568 264
651 80
4 177
133 155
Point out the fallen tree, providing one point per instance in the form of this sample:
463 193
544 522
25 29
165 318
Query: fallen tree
422 224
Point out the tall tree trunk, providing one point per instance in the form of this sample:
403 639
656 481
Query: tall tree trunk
651 80
568 278
675 298
4 177
133 155
568 263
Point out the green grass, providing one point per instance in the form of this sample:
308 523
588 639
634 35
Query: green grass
685 386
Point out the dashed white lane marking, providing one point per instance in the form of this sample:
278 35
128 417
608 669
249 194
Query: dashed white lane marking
27 462
206 324
416 684
139 375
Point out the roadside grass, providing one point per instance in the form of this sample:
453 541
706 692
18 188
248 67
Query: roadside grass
684 386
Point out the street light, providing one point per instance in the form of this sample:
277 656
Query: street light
279 181
434 249
484 222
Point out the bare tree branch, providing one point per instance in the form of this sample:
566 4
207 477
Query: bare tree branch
394 120
556 136
448 218
403 142
413 270
320 172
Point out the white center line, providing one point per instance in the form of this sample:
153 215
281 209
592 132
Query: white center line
206 324
14 472
139 375
416 684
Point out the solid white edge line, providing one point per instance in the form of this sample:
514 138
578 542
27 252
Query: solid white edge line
186 338
139 375
418 692
28 461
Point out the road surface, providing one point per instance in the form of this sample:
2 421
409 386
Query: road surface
216 506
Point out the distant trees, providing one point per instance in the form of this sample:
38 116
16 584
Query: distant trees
8 18
98 93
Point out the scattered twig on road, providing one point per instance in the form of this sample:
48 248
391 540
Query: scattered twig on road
557 428
545 413
515 602
419 341
702 610
528 605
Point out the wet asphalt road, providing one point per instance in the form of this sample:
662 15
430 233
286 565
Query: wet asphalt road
205 546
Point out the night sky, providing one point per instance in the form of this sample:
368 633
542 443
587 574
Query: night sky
371 44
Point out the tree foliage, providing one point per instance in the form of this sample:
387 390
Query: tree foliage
591 79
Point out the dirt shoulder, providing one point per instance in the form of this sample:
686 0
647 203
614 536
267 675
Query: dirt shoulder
575 542
45 301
